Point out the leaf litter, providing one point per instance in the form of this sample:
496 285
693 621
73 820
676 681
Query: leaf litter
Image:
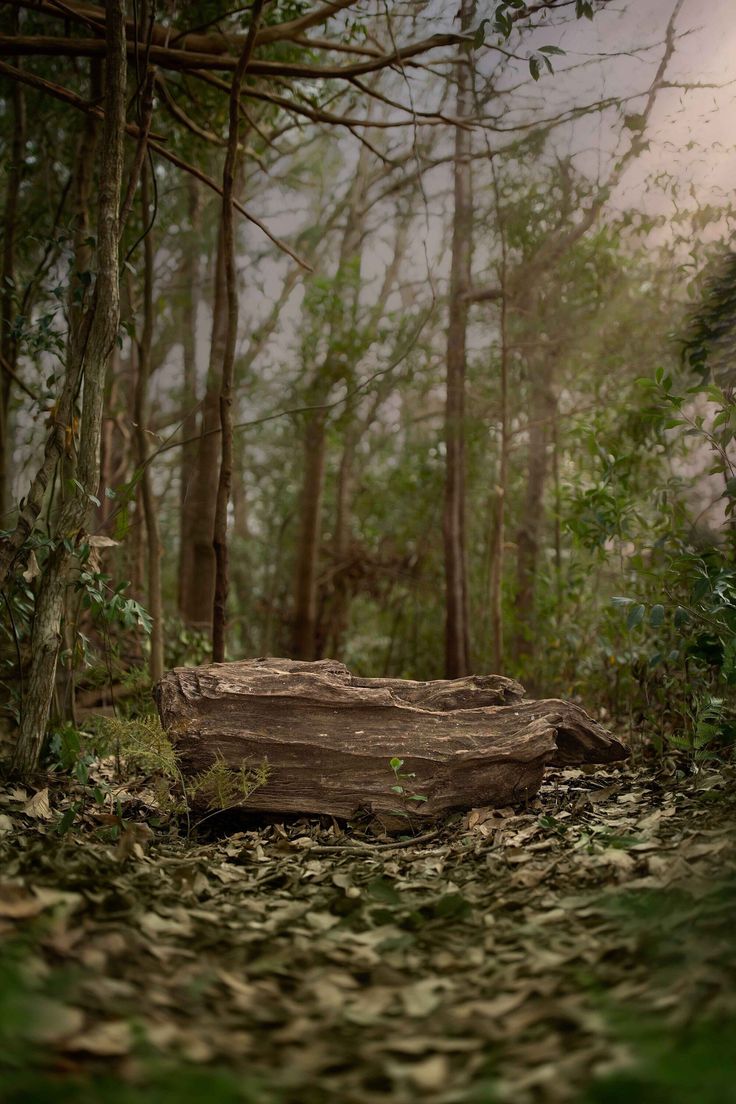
489 960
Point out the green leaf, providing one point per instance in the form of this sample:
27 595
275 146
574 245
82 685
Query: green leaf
67 820
656 617
551 50
535 68
479 35
383 890
681 617
452 906
636 616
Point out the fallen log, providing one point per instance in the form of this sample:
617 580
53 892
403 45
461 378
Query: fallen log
328 737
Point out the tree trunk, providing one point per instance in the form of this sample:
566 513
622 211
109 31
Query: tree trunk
340 598
8 289
198 598
310 530
240 571
101 327
188 460
220 543
341 323
150 506
327 738
542 406
80 284
498 530
457 637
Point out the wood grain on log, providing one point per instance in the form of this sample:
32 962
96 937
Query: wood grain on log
328 737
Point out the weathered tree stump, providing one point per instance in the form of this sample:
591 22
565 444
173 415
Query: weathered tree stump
328 737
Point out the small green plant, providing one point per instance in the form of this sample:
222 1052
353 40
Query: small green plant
221 787
400 787
712 724
141 744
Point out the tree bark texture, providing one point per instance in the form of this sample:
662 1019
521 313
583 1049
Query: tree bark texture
101 331
328 737
338 605
542 410
58 449
7 291
457 636
150 506
188 461
498 523
224 483
198 600
310 529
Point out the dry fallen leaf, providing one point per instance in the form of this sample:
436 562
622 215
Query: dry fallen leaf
430 1073
53 1021
17 902
38 806
133 841
107 1040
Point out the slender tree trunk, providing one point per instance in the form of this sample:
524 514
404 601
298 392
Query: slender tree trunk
136 545
558 516
542 406
80 284
198 597
277 540
8 289
498 532
457 637
224 483
187 471
148 499
101 334
240 573
342 323
305 602
340 604
353 432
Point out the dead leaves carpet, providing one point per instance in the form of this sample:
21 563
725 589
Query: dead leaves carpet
582 949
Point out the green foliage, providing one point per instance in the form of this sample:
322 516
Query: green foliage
219 787
686 602
693 1066
100 620
403 782
709 342
695 1063
184 646
141 744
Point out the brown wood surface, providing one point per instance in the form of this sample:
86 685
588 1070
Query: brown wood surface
328 736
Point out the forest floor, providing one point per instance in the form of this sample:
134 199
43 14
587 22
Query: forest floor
583 949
